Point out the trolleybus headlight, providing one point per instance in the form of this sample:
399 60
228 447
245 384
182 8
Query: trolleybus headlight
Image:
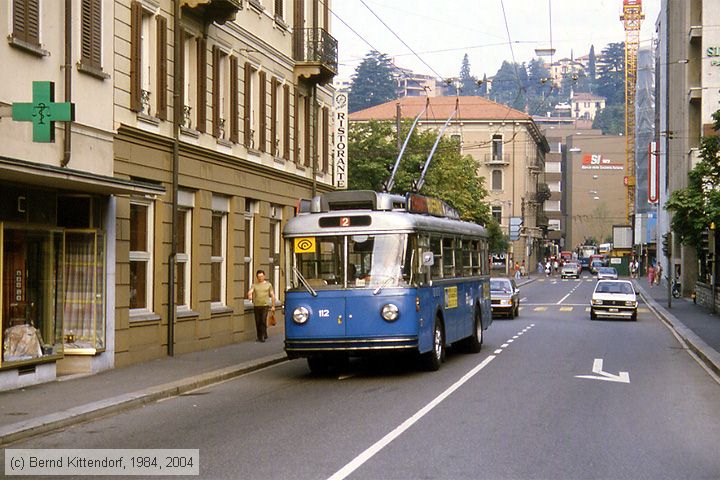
300 315
390 312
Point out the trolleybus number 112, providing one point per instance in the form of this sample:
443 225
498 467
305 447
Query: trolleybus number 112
324 313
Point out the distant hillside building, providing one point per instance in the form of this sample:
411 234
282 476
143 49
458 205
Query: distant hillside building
509 150
586 105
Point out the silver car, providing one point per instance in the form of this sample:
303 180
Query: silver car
614 298
570 269
504 297
607 273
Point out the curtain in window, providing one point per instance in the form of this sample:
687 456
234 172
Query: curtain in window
79 292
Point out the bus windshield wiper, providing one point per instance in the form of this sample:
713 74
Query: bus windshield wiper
304 282
382 285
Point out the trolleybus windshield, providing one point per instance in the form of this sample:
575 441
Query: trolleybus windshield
354 261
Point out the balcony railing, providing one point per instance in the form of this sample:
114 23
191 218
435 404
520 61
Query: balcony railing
497 159
317 49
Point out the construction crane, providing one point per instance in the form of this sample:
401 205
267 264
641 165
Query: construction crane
632 17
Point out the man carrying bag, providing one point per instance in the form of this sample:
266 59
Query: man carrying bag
263 298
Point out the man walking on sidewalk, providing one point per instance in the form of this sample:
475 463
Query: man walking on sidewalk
263 297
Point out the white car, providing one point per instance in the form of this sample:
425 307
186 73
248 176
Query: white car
607 273
614 298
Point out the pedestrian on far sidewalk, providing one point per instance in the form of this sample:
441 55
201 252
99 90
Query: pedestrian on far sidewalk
658 274
523 272
651 275
263 298
517 271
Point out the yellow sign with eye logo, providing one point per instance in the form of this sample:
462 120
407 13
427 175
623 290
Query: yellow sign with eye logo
305 245
451 297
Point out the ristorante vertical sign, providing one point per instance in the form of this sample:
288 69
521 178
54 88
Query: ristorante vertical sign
340 127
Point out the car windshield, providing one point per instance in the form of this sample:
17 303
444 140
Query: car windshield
609 270
596 263
500 286
623 288
570 265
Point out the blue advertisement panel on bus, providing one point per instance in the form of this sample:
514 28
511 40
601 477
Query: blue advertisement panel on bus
376 272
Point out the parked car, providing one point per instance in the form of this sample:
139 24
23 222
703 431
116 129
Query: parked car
595 265
504 297
570 269
614 298
607 273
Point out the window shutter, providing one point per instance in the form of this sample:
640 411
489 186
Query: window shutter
162 86
273 117
216 90
234 124
296 126
326 16
86 31
135 56
247 134
19 21
91 33
279 8
201 85
180 116
262 111
96 29
307 129
33 21
286 122
298 25
325 139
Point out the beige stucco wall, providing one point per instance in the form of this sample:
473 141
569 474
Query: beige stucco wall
92 129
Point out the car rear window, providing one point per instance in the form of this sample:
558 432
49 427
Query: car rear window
500 286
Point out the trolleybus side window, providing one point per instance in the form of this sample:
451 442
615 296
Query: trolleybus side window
436 248
448 257
469 257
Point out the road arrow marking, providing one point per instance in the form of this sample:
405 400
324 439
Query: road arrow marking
622 377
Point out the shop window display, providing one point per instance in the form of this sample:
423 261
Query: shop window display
32 285
83 294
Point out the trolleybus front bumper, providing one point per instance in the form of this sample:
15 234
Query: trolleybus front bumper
296 348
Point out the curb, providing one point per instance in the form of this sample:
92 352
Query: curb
29 428
705 353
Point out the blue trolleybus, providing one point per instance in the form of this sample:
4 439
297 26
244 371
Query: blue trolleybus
371 272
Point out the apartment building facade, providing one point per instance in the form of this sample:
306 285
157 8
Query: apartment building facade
58 192
595 186
254 100
687 67
509 150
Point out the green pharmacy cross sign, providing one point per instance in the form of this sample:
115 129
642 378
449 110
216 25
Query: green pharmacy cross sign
43 112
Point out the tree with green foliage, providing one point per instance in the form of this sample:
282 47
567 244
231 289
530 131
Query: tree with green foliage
372 83
592 63
468 83
509 86
451 176
695 207
498 242
611 120
610 82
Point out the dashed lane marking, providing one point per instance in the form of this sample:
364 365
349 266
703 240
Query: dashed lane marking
566 309
539 309
370 452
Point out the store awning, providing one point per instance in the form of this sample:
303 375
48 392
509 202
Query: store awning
20 171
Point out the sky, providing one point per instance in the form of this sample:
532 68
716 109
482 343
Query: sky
442 32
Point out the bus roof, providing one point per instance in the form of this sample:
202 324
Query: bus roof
363 212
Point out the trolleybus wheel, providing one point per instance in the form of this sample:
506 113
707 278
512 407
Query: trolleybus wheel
474 342
434 358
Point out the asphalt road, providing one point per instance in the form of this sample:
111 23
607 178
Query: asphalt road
515 410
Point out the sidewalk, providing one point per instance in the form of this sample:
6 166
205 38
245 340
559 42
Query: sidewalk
40 408
696 325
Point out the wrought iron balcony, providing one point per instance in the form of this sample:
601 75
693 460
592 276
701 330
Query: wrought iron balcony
218 11
316 54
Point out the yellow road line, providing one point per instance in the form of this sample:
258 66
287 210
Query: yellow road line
566 309
539 309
